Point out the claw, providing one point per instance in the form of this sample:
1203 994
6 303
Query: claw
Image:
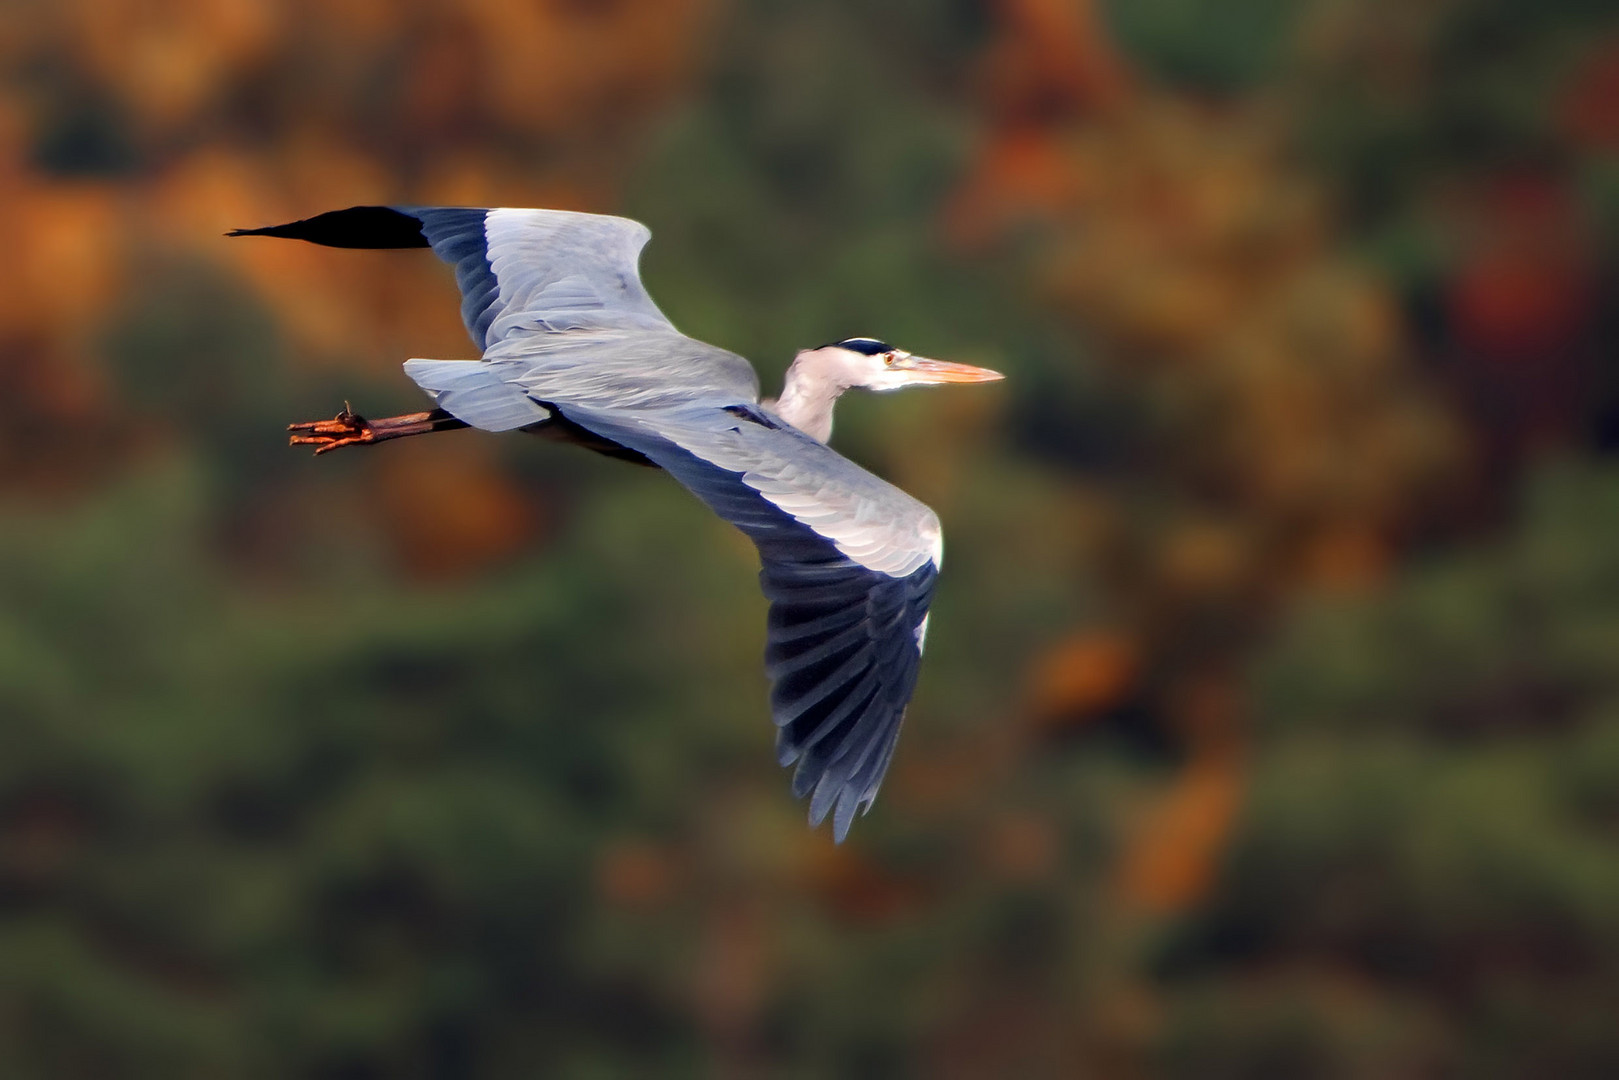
347 428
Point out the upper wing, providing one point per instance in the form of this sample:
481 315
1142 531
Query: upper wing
849 564
549 271
555 303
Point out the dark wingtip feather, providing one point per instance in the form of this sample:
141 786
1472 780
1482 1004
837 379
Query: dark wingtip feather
356 227
842 677
847 804
827 790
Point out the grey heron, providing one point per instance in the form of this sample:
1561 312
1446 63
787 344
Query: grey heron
572 346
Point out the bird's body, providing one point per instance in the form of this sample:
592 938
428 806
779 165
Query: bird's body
572 345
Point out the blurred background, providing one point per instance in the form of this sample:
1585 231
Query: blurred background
1270 720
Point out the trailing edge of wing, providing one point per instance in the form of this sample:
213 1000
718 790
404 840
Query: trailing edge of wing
844 640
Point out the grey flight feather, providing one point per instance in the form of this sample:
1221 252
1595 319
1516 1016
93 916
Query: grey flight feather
554 301
844 639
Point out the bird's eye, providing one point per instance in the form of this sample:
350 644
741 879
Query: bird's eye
889 358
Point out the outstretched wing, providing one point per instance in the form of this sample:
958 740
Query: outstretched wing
554 301
547 271
849 564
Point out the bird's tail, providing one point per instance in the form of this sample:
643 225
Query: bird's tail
473 391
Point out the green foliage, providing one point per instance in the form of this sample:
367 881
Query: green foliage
1432 811
1214 46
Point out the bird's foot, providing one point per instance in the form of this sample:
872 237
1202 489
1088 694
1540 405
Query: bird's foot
347 428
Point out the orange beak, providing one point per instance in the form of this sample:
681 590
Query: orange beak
924 371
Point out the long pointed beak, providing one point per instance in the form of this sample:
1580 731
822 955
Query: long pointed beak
925 370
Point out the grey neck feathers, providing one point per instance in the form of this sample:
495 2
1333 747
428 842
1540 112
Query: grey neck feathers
807 397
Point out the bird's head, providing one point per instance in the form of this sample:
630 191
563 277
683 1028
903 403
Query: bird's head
877 365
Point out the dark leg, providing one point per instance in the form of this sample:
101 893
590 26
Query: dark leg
350 429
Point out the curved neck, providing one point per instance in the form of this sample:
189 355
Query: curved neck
807 397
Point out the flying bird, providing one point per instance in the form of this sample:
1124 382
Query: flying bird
573 347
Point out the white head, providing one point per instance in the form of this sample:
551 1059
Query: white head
877 365
818 376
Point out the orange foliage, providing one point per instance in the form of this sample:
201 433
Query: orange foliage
1051 60
489 74
1348 557
1082 676
1053 57
636 876
1203 262
858 889
729 979
1171 860
166 61
450 512
63 268
1023 847
231 113
1526 291
1524 308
